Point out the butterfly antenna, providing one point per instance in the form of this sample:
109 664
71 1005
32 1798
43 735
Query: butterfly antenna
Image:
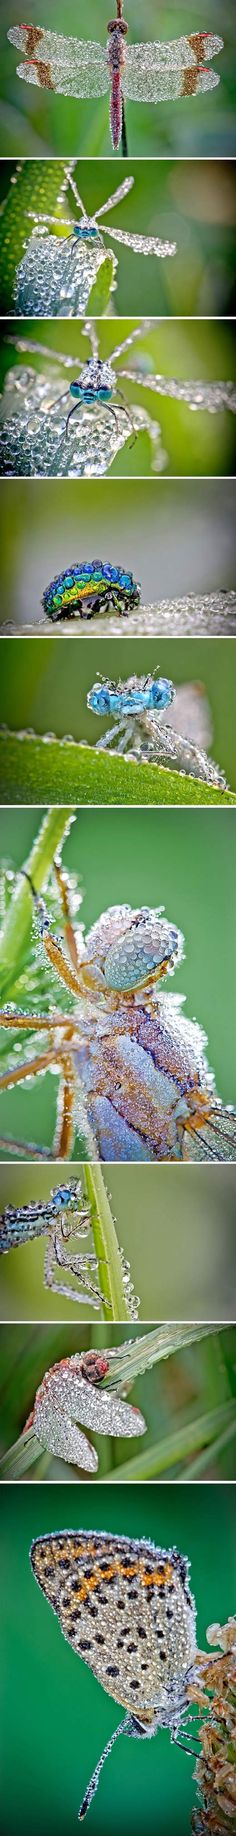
94 1781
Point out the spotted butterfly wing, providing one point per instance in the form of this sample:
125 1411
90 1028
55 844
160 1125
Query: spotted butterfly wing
126 1607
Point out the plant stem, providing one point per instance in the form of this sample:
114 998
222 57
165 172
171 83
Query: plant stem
131 1360
16 927
114 1302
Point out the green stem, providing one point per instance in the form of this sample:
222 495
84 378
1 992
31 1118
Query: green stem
131 1360
16 927
115 1304
203 1460
20 1456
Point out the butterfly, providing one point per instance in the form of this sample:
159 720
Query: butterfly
126 1607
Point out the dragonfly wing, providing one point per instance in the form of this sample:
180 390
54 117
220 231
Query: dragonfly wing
143 245
215 1139
189 714
68 65
160 85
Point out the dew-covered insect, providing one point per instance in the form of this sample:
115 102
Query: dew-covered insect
138 705
56 273
70 1394
87 587
133 1072
142 73
64 1218
42 434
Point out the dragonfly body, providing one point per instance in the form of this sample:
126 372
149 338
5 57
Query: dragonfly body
87 586
133 1072
142 72
56 273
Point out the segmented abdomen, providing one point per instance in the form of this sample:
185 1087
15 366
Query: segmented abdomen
116 109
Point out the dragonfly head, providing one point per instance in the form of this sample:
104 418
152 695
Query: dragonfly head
119 26
96 382
86 230
161 693
99 698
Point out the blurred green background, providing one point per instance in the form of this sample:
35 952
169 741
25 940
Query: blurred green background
47 689
177 536
185 1217
34 121
195 443
59 1716
181 858
174 1396
192 205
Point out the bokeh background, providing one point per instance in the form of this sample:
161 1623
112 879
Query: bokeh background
175 1398
60 1716
193 205
34 121
185 1216
176 535
195 443
48 688
181 858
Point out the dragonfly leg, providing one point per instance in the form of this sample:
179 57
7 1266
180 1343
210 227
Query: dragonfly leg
9 1144
90 1292
128 413
73 410
30 1068
108 737
64 896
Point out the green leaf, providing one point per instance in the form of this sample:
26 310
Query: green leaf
115 1304
177 1445
37 770
37 186
99 298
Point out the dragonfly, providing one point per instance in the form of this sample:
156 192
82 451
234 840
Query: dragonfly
133 1072
96 396
57 272
141 73
138 705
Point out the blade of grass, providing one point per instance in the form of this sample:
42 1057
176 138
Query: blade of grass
176 1446
16 927
35 768
211 1453
113 1285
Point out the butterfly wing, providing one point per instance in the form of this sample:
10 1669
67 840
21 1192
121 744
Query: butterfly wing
124 1607
71 66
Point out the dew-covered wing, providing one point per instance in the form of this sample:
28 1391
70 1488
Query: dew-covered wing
163 72
213 1139
189 714
116 1600
71 66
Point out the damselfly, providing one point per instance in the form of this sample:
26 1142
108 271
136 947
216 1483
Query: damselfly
138 705
133 1072
64 1218
56 273
156 72
43 434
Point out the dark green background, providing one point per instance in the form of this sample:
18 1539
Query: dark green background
196 443
184 1216
48 687
34 121
185 861
177 536
194 206
55 1717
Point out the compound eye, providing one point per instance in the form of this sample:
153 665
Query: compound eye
140 954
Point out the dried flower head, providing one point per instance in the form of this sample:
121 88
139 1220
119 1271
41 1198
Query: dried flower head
215 1770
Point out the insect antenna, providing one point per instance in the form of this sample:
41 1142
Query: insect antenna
94 1781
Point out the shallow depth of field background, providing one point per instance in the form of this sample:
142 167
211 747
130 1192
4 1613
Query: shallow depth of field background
60 1715
193 205
48 689
181 859
196 443
176 1395
34 121
177 536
